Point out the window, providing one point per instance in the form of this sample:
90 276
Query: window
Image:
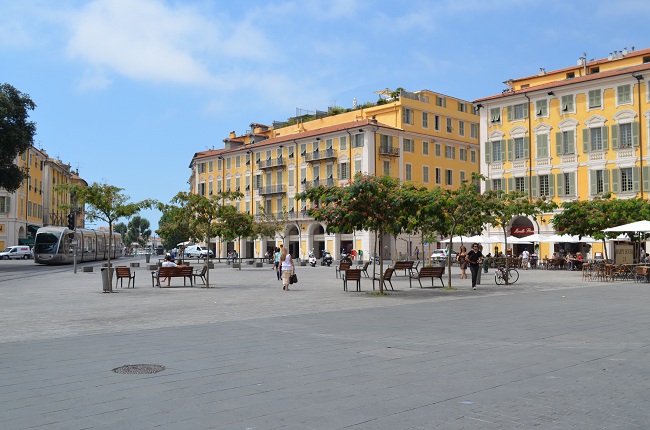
358 140
425 148
566 104
473 130
596 139
425 174
565 142
357 166
497 151
625 135
449 177
472 156
544 185
210 188
303 149
599 186
201 167
623 94
408 172
228 165
425 120
438 176
595 99
461 128
343 143
344 171
541 108
495 115
462 107
517 112
449 127
566 184
219 186
441 101
450 152
290 152
438 150
520 184
520 149
407 116
238 161
409 146
210 166
386 167
462 176
626 180
201 190
329 144
542 145
436 122
228 183
497 184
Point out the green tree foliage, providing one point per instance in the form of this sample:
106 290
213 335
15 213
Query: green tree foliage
138 230
173 226
105 203
16 134
121 228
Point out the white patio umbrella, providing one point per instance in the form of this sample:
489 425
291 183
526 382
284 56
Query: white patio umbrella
638 226
484 239
561 238
457 239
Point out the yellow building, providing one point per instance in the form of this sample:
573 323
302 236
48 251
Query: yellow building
568 134
423 137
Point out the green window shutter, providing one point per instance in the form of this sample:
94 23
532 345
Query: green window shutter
646 179
551 185
616 174
488 152
511 185
540 142
338 171
503 151
585 140
558 143
526 185
526 110
560 183
488 184
572 184
509 110
510 155
614 136
635 134
604 131
592 183
605 181
572 143
535 187
526 147
635 179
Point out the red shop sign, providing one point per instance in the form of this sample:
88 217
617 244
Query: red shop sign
522 231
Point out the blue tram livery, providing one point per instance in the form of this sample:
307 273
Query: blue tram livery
55 245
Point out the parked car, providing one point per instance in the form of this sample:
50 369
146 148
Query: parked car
196 251
441 254
16 252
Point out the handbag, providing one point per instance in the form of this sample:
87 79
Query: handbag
293 279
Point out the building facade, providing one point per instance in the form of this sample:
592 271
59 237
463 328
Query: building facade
423 137
572 133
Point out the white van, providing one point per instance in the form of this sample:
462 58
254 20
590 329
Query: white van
196 251
15 252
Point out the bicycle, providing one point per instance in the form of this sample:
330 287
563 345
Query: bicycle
500 276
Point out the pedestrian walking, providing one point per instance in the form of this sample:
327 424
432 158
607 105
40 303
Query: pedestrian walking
474 258
277 263
287 268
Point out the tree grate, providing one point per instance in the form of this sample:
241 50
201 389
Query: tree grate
139 369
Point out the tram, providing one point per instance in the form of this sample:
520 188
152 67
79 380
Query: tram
56 245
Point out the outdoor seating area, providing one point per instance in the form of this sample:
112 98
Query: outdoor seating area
603 271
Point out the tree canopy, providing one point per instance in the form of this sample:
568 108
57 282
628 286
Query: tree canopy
16 134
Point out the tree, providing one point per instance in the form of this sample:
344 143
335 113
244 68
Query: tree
121 228
173 226
139 230
105 203
368 202
233 224
16 135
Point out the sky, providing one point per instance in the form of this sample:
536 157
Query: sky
128 90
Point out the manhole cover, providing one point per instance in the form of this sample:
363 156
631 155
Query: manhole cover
139 369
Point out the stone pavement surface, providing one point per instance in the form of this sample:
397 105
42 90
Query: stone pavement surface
549 352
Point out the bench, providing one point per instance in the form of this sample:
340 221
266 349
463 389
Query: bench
201 274
352 275
342 267
184 272
388 274
405 266
121 273
364 269
428 272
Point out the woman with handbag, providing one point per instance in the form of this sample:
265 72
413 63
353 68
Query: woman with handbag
287 267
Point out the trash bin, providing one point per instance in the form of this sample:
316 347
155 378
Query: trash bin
147 257
106 282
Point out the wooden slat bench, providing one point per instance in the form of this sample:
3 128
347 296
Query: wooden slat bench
342 267
406 266
184 272
388 274
352 275
428 272
123 272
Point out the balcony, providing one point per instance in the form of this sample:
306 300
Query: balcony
320 155
271 163
317 182
272 189
388 150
